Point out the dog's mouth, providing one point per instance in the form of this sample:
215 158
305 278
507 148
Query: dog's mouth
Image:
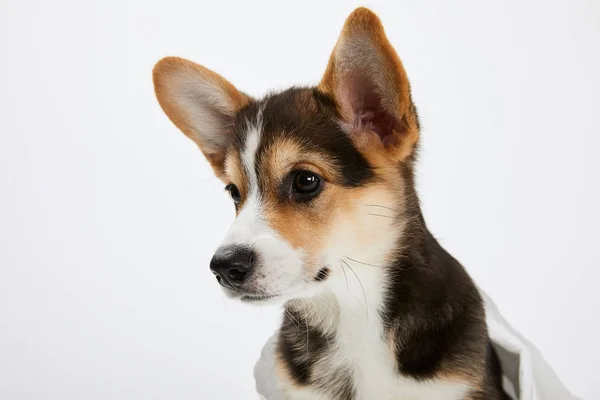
257 297
322 275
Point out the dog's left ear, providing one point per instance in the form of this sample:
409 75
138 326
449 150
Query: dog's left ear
370 87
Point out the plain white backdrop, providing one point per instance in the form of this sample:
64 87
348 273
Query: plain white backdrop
109 215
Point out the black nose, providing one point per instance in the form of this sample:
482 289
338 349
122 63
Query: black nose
232 265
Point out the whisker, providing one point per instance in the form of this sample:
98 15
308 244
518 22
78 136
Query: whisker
295 321
380 206
331 310
386 216
320 323
299 319
363 263
345 276
307 333
361 286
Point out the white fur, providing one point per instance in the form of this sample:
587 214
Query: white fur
249 155
204 104
280 269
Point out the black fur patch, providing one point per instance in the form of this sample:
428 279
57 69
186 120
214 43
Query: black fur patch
301 345
435 309
307 116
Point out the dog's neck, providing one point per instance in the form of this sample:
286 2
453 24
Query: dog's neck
410 314
370 280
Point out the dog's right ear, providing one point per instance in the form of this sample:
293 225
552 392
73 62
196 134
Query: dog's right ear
201 103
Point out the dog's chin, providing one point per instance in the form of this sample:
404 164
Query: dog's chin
258 299
263 300
255 298
272 298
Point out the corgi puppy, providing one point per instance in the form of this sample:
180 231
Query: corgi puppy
329 224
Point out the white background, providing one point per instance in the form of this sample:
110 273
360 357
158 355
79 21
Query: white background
109 215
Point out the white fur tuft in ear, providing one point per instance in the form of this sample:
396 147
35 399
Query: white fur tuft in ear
200 103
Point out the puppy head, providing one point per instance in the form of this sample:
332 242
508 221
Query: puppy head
316 174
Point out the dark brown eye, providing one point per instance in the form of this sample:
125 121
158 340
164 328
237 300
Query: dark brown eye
306 183
234 192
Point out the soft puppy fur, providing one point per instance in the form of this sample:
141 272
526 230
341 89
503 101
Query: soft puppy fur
329 224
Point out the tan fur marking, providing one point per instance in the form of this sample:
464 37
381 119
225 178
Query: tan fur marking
337 208
236 174
287 154
475 377
303 227
282 370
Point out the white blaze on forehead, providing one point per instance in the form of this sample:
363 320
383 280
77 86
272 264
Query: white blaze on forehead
251 229
249 154
249 221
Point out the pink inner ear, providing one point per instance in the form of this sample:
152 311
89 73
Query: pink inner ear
369 113
378 121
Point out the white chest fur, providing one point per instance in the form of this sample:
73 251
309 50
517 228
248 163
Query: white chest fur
374 368
361 347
